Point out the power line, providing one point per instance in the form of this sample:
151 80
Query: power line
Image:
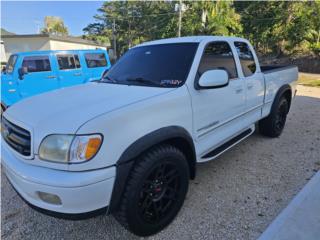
130 17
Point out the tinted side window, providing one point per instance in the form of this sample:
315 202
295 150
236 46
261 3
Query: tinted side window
248 64
37 63
68 61
77 62
11 62
95 60
218 55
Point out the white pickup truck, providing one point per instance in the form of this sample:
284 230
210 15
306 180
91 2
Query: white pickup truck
129 143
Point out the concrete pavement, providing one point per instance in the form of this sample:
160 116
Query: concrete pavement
300 220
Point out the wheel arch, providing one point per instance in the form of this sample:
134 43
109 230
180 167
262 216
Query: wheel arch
285 91
174 135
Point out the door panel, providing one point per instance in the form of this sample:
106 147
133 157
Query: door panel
255 91
69 70
254 81
217 112
41 77
215 107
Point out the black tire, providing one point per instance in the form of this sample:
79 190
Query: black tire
273 125
155 191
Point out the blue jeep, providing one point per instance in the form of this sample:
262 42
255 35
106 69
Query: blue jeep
30 73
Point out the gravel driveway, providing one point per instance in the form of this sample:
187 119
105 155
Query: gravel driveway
233 197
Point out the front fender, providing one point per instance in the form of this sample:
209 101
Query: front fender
172 134
9 91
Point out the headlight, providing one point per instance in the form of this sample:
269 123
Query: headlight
70 148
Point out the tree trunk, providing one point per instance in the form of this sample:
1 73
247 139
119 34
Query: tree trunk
204 17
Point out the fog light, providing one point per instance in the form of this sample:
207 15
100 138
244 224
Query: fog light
49 198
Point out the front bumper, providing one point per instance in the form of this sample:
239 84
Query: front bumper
79 192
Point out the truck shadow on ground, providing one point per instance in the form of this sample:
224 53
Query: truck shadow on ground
235 196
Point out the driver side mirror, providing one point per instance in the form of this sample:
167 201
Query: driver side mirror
22 71
214 79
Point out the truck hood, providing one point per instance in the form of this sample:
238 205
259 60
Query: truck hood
65 110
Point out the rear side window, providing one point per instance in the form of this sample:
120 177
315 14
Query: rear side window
94 60
218 55
68 61
248 64
37 64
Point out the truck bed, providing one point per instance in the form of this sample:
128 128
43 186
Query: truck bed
276 76
274 68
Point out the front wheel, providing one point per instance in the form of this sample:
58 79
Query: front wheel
273 125
155 191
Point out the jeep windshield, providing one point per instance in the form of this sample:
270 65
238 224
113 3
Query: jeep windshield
11 62
162 65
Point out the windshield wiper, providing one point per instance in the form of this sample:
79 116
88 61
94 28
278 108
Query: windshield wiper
142 80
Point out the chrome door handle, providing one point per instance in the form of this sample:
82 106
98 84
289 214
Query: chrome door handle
51 77
77 74
239 90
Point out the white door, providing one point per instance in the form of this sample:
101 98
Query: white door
217 112
254 81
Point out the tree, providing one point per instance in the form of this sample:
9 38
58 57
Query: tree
280 27
211 18
138 21
273 27
55 26
135 22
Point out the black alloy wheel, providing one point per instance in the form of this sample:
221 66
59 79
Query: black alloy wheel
155 191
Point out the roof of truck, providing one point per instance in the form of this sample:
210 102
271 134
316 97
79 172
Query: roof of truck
195 39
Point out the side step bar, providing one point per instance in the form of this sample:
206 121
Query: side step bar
219 150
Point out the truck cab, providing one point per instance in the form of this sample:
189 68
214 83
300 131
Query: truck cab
30 73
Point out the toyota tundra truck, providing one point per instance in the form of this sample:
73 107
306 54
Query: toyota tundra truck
128 144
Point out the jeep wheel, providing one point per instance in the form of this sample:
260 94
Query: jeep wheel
273 125
155 191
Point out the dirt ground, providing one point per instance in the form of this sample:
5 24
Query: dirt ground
233 197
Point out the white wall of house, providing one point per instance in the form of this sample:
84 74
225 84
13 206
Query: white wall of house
60 45
26 44
13 45
3 53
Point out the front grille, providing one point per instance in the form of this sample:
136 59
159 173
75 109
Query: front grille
16 137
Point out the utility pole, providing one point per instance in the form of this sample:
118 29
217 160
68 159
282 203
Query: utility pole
180 18
37 26
114 38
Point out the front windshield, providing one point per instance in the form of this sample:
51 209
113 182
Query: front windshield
11 63
163 65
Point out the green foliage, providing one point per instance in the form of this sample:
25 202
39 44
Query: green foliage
55 26
211 18
273 27
135 22
280 27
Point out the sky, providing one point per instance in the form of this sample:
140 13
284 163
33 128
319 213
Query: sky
27 17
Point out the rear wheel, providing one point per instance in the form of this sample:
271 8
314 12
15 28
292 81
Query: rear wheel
155 191
273 125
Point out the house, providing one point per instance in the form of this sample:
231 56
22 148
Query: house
32 42
2 53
